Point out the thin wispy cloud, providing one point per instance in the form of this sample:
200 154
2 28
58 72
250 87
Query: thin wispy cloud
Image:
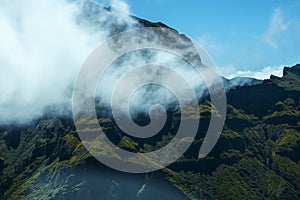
265 73
230 71
277 26
43 43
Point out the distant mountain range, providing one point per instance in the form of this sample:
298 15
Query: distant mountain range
256 157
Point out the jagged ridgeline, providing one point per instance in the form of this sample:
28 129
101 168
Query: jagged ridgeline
256 157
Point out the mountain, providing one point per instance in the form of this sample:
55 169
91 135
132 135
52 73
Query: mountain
256 157
236 82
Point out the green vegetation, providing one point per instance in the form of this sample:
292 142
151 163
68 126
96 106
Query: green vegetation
233 113
127 143
257 155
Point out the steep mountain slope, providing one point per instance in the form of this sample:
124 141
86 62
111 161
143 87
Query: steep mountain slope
258 154
256 157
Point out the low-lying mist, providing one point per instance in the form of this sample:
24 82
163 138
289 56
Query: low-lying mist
44 43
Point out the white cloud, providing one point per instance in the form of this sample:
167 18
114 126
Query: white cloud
121 10
277 26
42 47
265 73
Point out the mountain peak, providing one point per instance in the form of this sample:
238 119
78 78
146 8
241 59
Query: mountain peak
295 70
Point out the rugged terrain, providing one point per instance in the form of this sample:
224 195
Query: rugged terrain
256 157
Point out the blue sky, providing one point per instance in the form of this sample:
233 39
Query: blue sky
253 39
239 35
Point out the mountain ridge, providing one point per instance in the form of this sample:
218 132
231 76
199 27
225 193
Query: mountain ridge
256 157
50 149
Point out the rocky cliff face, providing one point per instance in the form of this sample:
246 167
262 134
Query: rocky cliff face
256 157
294 70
